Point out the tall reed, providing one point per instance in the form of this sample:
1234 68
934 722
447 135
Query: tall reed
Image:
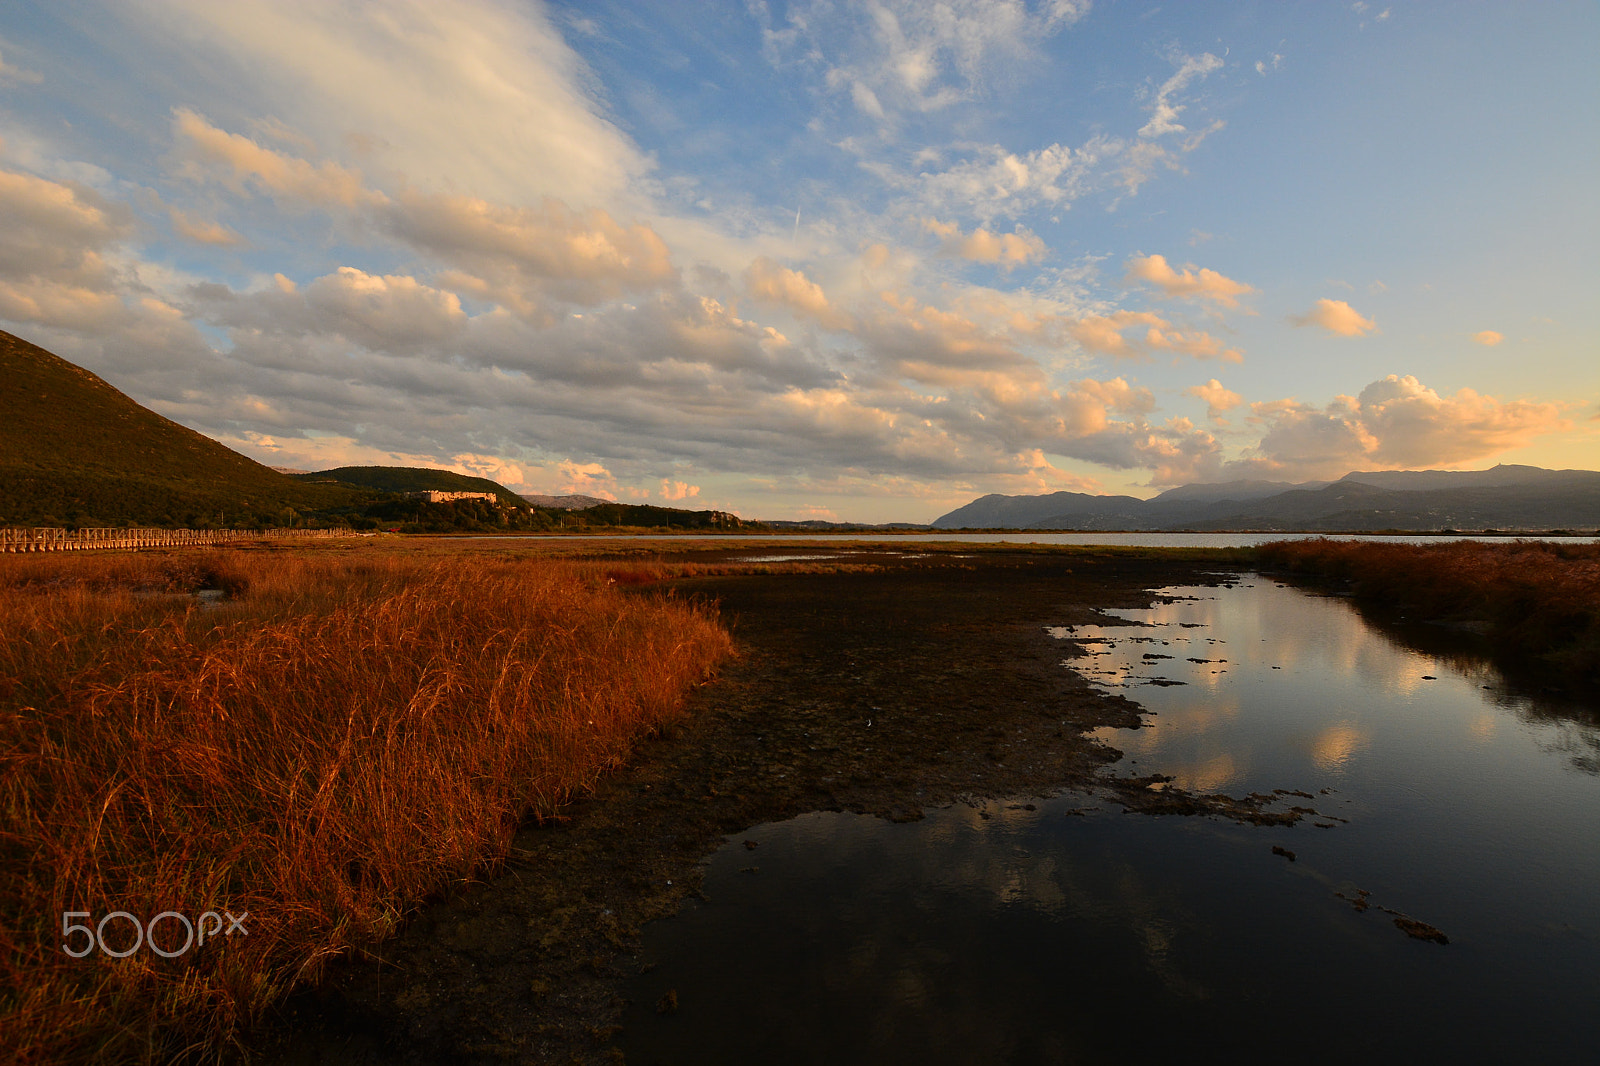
1531 597
337 741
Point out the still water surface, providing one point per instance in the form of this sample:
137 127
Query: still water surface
1127 540
1071 932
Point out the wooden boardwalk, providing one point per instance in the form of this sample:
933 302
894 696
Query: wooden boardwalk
48 539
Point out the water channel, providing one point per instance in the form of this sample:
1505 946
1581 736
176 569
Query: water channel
1450 802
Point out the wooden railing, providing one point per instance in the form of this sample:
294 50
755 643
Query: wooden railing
48 539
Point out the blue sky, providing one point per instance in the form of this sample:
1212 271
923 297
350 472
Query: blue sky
854 260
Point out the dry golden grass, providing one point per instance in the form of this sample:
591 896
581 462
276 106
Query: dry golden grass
342 738
1536 597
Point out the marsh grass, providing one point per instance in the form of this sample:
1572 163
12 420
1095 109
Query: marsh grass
340 739
1531 598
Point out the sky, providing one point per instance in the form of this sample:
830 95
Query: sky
856 260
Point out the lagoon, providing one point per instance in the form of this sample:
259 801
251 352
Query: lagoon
1062 929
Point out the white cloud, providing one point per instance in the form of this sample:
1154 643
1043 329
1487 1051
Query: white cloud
904 56
476 94
993 181
1163 111
1337 317
1488 338
1395 423
866 100
1137 162
18 75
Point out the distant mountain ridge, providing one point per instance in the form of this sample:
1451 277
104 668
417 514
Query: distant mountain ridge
569 502
1506 497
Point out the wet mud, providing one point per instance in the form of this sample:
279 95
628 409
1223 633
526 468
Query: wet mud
896 683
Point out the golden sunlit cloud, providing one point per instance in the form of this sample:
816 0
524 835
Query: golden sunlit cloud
1197 343
1395 423
774 284
271 172
1202 284
1337 317
677 490
509 254
202 232
1008 250
454 239
490 466
1102 334
1219 401
587 479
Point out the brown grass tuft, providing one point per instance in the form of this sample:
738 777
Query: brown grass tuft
340 739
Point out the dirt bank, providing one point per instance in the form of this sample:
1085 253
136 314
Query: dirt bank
899 682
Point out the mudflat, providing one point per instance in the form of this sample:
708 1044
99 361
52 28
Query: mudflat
880 682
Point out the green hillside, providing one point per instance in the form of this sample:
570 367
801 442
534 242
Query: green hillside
74 451
409 479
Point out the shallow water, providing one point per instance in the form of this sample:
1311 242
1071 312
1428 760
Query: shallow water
1126 540
1073 932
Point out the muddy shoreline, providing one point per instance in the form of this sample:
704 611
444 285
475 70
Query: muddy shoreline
899 682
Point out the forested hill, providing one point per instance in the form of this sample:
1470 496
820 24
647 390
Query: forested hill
409 479
76 451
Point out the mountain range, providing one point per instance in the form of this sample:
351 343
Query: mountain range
569 502
1503 498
